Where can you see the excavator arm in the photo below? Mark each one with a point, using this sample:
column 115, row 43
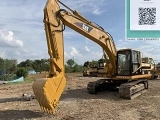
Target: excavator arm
column 48, row 90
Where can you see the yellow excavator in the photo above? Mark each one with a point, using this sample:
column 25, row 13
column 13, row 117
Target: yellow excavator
column 96, row 71
column 126, row 71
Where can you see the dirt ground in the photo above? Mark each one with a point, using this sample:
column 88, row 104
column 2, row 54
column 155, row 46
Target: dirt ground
column 76, row 104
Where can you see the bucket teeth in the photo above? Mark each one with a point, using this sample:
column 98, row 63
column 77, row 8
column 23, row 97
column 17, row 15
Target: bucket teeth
column 48, row 92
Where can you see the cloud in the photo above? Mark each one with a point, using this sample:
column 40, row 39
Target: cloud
column 148, row 48
column 97, row 11
column 74, row 52
column 86, row 48
column 85, row 6
column 84, row 53
column 11, row 47
column 23, row 20
column 8, row 39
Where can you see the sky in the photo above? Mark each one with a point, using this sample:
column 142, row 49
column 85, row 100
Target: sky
column 22, row 34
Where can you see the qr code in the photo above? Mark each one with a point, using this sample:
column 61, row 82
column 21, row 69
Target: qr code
column 147, row 16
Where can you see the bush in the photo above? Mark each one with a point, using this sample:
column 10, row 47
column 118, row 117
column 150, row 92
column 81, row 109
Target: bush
column 7, row 77
column 22, row 72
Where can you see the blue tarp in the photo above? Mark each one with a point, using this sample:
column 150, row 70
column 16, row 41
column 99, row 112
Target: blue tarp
column 21, row 79
column 31, row 72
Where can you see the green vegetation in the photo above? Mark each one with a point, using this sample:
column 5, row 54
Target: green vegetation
column 37, row 65
column 9, row 69
column 22, row 72
column 73, row 67
column 93, row 63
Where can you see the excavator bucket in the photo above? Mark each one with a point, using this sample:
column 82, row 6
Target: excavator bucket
column 48, row 92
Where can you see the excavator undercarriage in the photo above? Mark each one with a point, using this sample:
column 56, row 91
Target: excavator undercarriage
column 127, row 90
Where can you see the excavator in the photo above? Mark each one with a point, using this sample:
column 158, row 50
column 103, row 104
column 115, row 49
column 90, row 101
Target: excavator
column 126, row 71
column 101, row 70
column 96, row 71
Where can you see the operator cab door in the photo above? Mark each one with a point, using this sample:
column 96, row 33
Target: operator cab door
column 128, row 62
column 124, row 62
column 136, row 62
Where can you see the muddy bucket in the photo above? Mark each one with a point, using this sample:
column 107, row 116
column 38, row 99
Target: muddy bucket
column 48, row 92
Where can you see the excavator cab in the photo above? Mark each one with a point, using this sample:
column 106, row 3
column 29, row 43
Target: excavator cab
column 128, row 62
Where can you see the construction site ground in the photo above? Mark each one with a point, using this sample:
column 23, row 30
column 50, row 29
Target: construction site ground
column 77, row 104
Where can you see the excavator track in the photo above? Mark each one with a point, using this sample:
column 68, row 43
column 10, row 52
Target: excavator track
column 127, row 90
column 131, row 90
column 101, row 85
column 93, row 87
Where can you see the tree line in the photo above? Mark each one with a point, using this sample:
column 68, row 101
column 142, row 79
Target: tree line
column 9, row 67
column 44, row 65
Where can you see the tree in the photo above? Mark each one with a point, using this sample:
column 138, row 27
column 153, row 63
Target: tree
column 77, row 68
column 93, row 63
column 68, row 69
column 22, row 72
column 101, row 60
column 86, row 64
column 1, row 66
column 26, row 64
column 37, row 65
column 70, row 62
column 8, row 66
column 46, row 65
column 73, row 66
